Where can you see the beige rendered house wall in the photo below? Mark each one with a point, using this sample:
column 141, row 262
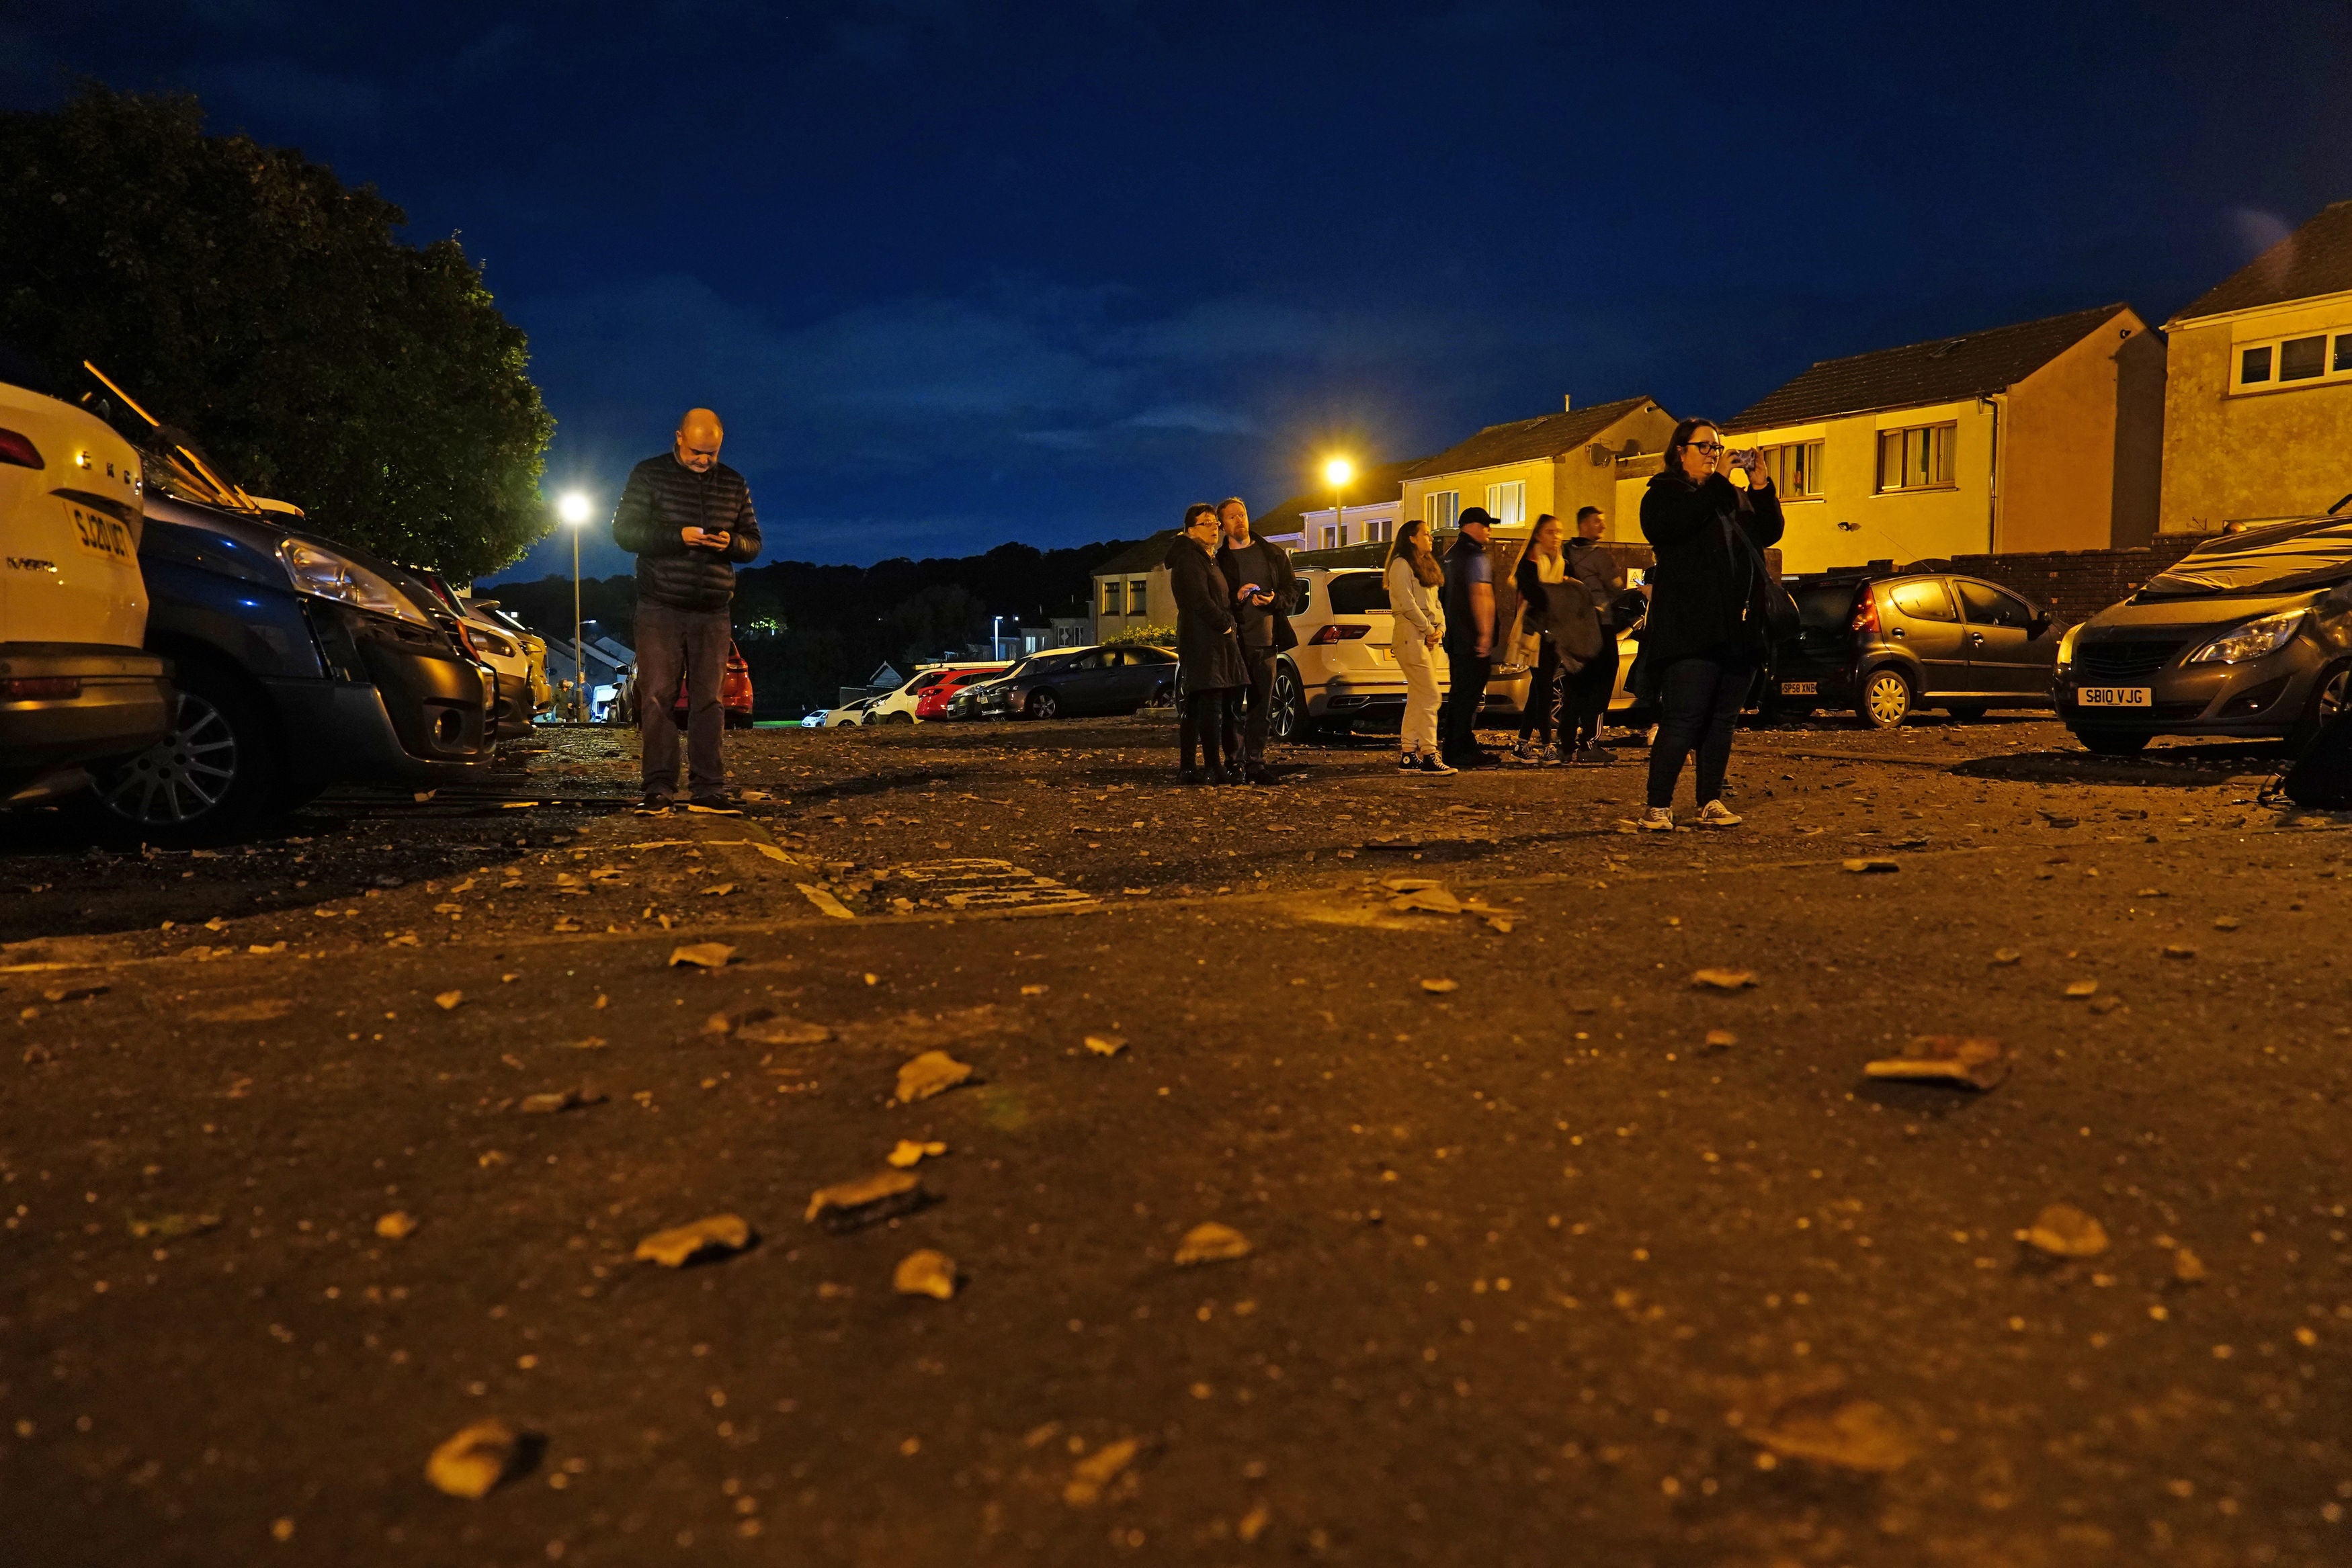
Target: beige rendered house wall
column 1558, row 484
column 2083, row 437
column 1906, row 525
column 2284, row 453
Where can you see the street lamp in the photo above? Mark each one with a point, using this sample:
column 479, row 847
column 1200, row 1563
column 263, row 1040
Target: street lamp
column 573, row 508
column 1336, row 474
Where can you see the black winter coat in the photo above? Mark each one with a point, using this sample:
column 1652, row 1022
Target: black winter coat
column 1206, row 649
column 663, row 497
column 1708, row 589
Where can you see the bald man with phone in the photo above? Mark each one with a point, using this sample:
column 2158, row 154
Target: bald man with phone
column 687, row 518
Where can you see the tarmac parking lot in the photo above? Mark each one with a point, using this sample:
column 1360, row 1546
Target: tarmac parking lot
column 1572, row 1226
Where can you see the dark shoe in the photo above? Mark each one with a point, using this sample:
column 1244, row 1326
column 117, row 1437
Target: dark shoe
column 1188, row 775
column 1430, row 764
column 655, row 800
column 1235, row 776
column 1409, row 762
column 714, row 803
column 1262, row 774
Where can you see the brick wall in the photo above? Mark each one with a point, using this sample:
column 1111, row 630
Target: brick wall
column 2076, row 585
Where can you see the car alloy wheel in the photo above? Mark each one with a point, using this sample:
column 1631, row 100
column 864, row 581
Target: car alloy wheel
column 1045, row 704
column 181, row 778
column 2330, row 695
column 1885, row 698
column 1287, row 716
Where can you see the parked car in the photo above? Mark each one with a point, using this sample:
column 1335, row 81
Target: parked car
column 299, row 661
column 934, row 703
column 734, row 693
column 1888, row 644
column 905, row 704
column 847, row 715
column 2248, row 634
column 78, row 687
column 534, row 647
column 1063, row 683
column 494, row 647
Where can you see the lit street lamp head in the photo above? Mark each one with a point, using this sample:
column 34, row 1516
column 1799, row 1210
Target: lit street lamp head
column 1338, row 472
column 572, row 508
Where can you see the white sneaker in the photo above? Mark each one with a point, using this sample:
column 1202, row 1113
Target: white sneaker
column 1716, row 814
column 1657, row 820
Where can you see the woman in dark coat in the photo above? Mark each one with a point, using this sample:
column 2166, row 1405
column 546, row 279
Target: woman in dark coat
column 1709, row 612
column 1208, row 653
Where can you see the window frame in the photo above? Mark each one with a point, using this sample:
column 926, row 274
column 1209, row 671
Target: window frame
column 1960, row 587
column 1441, row 508
column 2335, row 362
column 1951, row 600
column 1786, row 484
column 1499, row 499
column 1114, row 597
column 1903, row 433
column 1138, row 595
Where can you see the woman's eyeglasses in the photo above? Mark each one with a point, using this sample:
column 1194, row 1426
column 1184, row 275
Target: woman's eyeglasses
column 1709, row 447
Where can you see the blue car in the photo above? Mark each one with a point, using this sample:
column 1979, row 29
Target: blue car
column 298, row 663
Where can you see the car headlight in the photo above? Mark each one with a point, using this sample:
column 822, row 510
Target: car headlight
column 2066, row 646
column 325, row 574
column 2252, row 641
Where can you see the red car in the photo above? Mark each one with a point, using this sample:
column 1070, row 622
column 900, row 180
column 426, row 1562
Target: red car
column 934, row 703
column 734, row 693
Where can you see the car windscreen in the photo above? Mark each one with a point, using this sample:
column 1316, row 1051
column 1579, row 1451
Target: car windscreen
column 1825, row 606
column 2285, row 561
column 1359, row 593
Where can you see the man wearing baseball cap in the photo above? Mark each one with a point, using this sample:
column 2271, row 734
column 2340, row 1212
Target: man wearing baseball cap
column 1469, row 636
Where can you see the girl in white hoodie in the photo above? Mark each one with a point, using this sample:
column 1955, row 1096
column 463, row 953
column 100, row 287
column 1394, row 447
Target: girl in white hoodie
column 1413, row 576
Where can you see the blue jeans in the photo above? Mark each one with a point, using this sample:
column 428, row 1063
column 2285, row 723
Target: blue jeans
column 1699, row 707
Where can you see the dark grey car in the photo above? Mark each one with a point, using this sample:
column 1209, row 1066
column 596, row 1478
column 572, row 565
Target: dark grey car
column 2248, row 634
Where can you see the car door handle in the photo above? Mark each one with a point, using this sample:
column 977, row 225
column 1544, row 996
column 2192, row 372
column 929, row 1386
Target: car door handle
column 1896, row 634
column 1978, row 638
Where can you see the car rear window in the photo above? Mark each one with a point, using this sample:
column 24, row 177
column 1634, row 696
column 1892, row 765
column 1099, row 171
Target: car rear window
column 1826, row 606
column 1359, row 593
column 1922, row 599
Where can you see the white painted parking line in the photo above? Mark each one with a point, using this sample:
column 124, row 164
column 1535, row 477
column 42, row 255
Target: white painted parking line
column 825, row 901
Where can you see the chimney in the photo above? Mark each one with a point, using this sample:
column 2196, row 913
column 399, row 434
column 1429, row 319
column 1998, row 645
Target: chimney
column 1567, row 403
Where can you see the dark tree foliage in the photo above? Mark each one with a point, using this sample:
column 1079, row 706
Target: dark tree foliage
column 836, row 624
column 247, row 296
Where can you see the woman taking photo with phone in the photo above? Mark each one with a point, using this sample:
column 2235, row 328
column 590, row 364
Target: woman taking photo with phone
column 1710, row 611
column 1413, row 576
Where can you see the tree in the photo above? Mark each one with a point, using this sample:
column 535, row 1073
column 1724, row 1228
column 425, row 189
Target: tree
column 246, row 294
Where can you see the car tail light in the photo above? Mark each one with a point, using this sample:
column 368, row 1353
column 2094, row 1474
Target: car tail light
column 1866, row 611
column 16, row 449
column 1338, row 633
column 40, row 688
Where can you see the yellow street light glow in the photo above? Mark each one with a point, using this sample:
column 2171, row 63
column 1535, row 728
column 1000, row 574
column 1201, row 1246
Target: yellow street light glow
column 1338, row 472
column 572, row 508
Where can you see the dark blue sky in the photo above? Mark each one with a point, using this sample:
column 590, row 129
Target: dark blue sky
column 958, row 272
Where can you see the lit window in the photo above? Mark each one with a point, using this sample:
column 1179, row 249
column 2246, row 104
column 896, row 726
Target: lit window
column 1110, row 605
column 1918, row 459
column 1507, row 504
column 1138, row 595
column 1438, row 508
column 1796, row 470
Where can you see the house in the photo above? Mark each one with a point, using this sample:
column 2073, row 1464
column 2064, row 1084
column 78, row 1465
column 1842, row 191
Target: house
column 1320, row 519
column 1131, row 589
column 2044, row 436
column 2258, row 401
column 1557, row 463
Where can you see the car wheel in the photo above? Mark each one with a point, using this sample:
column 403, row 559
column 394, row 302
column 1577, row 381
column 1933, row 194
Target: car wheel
column 1042, row 705
column 738, row 719
column 1886, row 697
column 2330, row 695
column 898, row 717
column 1966, row 713
column 217, row 769
column 2112, row 742
column 1286, row 718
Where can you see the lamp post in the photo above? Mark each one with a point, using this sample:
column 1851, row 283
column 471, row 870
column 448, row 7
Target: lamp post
column 1336, row 473
column 572, row 508
column 995, row 638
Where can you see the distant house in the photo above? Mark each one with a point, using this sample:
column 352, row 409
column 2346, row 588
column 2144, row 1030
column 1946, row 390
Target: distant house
column 2044, row 435
column 2258, row 403
column 1556, row 463
column 1131, row 589
column 1367, row 512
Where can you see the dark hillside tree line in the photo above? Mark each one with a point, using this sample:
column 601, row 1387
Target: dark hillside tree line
column 809, row 630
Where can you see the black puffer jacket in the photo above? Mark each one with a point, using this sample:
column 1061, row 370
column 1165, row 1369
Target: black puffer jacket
column 664, row 496
column 1707, row 591
column 1207, row 648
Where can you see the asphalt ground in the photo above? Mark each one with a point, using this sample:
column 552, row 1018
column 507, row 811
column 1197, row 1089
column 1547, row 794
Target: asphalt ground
column 1538, row 1271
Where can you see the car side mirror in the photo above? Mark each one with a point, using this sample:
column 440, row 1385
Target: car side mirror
column 2337, row 601
column 2038, row 625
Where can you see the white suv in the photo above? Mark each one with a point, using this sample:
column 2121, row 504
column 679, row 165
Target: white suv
column 76, row 688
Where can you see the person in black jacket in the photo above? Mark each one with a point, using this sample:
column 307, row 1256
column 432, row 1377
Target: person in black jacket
column 1708, row 611
column 1208, row 652
column 687, row 518
column 1469, row 636
column 1264, row 589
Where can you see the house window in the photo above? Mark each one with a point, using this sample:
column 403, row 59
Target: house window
column 1330, row 537
column 1507, row 504
column 2254, row 365
column 1138, row 595
column 2342, row 352
column 2302, row 361
column 1379, row 530
column 1796, row 470
column 1440, row 508
column 1110, row 600
column 1915, row 459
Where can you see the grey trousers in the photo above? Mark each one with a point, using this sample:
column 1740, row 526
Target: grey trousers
column 674, row 644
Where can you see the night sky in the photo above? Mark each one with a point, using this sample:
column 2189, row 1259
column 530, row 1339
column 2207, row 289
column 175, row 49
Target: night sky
column 957, row 272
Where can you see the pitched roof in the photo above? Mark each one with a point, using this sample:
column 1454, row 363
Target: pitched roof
column 1140, row 556
column 1944, row 370
column 1377, row 483
column 1523, row 440
column 2315, row 259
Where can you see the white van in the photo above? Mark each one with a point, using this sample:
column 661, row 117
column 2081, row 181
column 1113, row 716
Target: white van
column 77, row 687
